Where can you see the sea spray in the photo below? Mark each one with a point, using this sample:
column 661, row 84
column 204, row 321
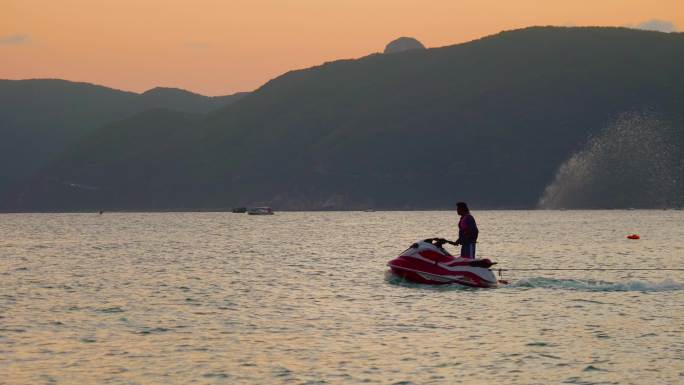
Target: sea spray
column 632, row 162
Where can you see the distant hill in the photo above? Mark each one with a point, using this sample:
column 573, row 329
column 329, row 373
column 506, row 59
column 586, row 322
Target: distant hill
column 40, row 117
column 489, row 122
column 186, row 101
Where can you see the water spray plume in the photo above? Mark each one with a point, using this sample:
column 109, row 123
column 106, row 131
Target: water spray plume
column 632, row 162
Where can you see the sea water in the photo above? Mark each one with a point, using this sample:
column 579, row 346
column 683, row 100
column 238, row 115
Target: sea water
column 305, row 298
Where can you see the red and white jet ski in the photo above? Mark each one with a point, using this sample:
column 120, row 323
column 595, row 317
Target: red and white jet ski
column 428, row 262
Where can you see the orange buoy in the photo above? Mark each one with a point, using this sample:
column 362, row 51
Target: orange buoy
column 633, row 236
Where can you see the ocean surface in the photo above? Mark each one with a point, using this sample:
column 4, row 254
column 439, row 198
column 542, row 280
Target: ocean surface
column 305, row 298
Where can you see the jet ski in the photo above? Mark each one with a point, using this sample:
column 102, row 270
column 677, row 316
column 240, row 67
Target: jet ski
column 428, row 262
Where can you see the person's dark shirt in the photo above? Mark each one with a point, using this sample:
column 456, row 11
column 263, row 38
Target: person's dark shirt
column 467, row 229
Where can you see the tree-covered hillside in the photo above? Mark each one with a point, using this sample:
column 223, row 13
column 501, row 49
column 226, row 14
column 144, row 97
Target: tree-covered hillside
column 489, row 122
column 40, row 117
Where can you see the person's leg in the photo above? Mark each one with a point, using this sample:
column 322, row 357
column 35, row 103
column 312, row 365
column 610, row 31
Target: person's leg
column 468, row 250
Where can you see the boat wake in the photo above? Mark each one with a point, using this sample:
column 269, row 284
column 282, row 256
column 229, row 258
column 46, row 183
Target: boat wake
column 556, row 283
column 596, row 285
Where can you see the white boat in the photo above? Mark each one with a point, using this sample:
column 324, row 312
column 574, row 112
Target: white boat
column 260, row 211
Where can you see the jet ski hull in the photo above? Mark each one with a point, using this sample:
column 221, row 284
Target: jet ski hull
column 428, row 264
column 472, row 280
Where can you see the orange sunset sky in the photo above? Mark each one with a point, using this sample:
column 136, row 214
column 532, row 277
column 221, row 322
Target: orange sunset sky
column 217, row 47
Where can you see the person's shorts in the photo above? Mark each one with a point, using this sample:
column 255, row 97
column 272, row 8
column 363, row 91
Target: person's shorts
column 468, row 250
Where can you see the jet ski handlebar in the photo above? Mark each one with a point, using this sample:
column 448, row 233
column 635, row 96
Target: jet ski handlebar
column 439, row 241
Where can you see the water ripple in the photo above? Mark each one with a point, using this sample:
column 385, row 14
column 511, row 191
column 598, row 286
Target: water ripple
column 179, row 298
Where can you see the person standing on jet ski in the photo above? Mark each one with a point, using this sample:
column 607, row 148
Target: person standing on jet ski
column 467, row 231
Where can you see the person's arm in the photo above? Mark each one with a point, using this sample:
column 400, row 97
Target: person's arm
column 476, row 231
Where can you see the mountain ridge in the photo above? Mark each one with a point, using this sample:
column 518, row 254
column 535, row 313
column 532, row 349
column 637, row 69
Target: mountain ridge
column 488, row 121
column 39, row 118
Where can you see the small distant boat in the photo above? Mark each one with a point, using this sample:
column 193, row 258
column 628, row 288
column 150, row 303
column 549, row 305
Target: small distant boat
column 260, row 211
column 240, row 210
column 368, row 211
